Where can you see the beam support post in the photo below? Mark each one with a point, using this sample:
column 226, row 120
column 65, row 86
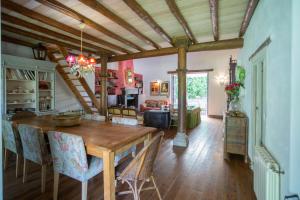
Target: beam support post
column 103, row 75
column 181, row 138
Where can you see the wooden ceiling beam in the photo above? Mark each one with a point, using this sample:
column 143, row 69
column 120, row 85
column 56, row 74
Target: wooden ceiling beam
column 42, row 38
column 51, row 22
column 144, row 15
column 6, row 38
column 75, row 15
column 213, row 4
column 207, row 46
column 19, row 22
column 248, row 15
column 178, row 15
column 115, row 18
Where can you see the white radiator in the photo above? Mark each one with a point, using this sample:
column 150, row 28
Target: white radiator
column 266, row 175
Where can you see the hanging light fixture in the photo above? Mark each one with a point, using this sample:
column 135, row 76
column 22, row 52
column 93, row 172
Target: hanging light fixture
column 81, row 65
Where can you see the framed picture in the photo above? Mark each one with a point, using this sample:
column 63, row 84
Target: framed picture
column 164, row 88
column 154, row 88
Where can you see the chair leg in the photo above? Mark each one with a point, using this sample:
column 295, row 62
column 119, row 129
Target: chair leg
column 17, row 165
column 43, row 175
column 6, row 153
column 55, row 185
column 156, row 188
column 84, row 190
column 25, row 171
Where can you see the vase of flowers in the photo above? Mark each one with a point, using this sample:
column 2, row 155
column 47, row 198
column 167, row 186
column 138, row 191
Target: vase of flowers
column 233, row 91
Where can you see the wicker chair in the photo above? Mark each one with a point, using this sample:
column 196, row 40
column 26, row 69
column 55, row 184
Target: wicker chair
column 140, row 170
column 23, row 114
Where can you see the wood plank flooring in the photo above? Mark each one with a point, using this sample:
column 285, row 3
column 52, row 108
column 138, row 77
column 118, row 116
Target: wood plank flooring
column 196, row 173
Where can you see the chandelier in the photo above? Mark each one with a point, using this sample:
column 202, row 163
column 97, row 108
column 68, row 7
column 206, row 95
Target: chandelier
column 81, row 65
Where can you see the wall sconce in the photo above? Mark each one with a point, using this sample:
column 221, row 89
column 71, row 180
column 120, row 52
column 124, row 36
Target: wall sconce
column 221, row 79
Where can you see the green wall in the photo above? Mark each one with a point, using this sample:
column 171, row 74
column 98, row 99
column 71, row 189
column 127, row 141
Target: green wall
column 272, row 18
column 295, row 100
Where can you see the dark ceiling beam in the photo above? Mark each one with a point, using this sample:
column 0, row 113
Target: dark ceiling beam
column 177, row 14
column 144, row 15
column 248, row 15
column 6, row 38
column 213, row 5
column 51, row 22
column 115, row 18
column 19, row 22
column 207, row 46
column 75, row 15
column 42, row 38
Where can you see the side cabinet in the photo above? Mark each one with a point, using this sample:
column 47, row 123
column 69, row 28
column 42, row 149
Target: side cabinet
column 236, row 136
column 28, row 85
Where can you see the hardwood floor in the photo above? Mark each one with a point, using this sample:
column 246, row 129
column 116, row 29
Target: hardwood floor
column 196, row 173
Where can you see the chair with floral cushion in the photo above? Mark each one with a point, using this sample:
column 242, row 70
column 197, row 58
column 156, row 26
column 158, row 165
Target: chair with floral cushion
column 70, row 158
column 12, row 143
column 35, row 150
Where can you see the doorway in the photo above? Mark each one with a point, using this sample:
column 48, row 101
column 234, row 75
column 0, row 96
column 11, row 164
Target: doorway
column 259, row 97
column 197, row 90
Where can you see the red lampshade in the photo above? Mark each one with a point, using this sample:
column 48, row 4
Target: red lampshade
column 81, row 59
column 92, row 61
column 70, row 59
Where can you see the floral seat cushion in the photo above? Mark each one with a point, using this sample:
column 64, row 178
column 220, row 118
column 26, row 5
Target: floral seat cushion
column 11, row 138
column 70, row 158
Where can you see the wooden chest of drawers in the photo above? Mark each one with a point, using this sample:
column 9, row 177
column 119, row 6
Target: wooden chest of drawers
column 235, row 136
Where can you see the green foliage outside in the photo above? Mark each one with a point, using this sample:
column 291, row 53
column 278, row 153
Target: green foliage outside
column 196, row 86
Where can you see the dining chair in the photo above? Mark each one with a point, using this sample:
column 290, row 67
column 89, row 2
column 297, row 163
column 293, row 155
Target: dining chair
column 129, row 112
column 23, row 114
column 11, row 143
column 114, row 112
column 70, row 158
column 35, row 150
column 140, row 169
column 124, row 121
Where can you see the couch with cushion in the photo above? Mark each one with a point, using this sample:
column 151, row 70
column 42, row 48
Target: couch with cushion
column 153, row 105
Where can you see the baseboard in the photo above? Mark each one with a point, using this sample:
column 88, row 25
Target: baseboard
column 216, row 116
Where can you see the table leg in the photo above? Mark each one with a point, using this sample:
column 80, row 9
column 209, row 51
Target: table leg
column 109, row 175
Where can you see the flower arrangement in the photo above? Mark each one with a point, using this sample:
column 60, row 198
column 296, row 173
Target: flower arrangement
column 233, row 90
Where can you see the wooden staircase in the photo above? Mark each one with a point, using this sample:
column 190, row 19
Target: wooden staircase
column 77, row 85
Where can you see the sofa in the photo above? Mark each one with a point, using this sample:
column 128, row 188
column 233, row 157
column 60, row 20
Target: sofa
column 153, row 105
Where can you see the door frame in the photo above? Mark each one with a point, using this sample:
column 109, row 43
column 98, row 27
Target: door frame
column 256, row 61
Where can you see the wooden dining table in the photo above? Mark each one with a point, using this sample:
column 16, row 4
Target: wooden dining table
column 102, row 139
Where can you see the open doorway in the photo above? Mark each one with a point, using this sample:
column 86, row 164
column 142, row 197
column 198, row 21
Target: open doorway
column 197, row 90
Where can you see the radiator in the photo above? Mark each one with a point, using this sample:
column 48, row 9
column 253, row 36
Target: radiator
column 266, row 175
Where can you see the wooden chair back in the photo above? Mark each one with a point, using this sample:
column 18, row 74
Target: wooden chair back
column 23, row 114
column 141, row 167
column 129, row 112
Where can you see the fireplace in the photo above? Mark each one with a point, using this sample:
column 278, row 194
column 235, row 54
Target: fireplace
column 129, row 98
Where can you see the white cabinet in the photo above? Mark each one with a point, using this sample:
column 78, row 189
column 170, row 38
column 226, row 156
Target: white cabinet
column 28, row 85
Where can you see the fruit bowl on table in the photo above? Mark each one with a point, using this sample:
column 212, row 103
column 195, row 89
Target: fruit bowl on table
column 67, row 120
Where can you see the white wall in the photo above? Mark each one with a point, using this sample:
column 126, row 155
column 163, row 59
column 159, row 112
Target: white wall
column 156, row 69
column 277, row 25
column 295, row 100
column 65, row 100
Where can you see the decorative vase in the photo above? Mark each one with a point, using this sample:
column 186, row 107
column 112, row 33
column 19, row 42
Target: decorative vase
column 235, row 105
